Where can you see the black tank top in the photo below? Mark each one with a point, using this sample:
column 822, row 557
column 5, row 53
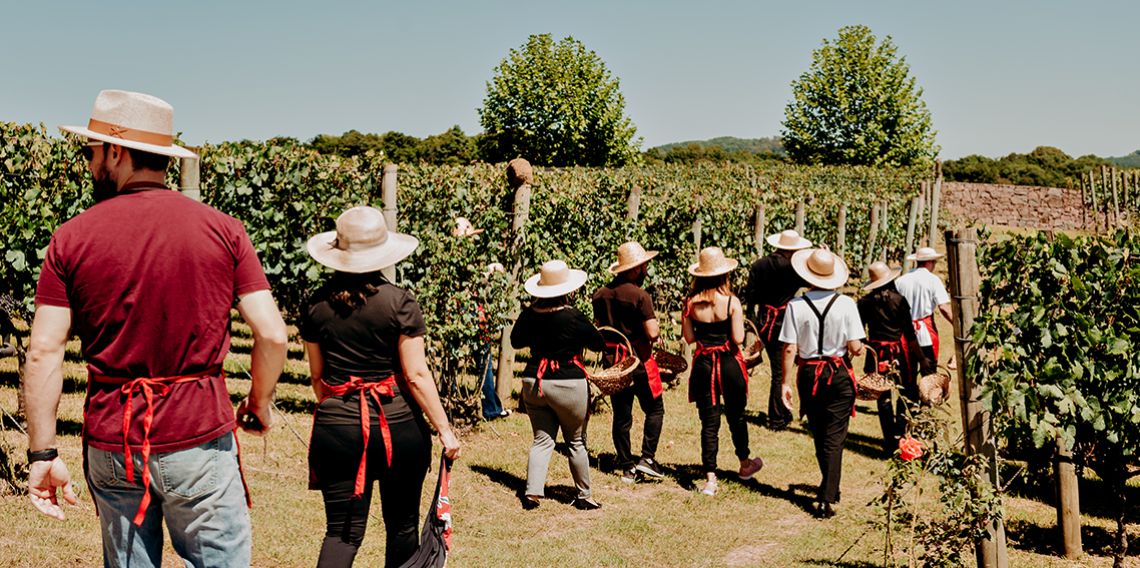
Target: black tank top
column 714, row 333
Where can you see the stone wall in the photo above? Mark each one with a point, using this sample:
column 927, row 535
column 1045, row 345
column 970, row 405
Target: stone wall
column 1013, row 205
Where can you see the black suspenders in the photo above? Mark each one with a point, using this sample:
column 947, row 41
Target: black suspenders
column 834, row 296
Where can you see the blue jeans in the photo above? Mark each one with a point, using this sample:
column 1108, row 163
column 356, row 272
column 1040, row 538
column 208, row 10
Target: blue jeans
column 492, row 407
column 198, row 491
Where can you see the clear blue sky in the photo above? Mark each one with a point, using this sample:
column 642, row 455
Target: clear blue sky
column 998, row 76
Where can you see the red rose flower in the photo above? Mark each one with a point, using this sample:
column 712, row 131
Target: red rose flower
column 909, row 448
column 884, row 366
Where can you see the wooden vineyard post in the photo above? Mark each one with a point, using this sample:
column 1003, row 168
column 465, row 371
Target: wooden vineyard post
column 800, row 218
column 633, row 205
column 520, row 176
column 883, row 228
column 388, row 195
column 1084, row 207
column 189, row 176
column 1068, row 502
column 870, row 253
column 965, row 280
column 841, row 237
column 1095, row 205
column 915, row 204
column 1115, row 202
column 761, row 212
column 935, row 203
column 920, row 215
column 697, row 229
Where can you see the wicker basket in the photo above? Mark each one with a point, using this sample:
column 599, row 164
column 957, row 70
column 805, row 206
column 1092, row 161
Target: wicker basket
column 872, row 386
column 618, row 377
column 671, row 365
column 934, row 388
column 752, row 353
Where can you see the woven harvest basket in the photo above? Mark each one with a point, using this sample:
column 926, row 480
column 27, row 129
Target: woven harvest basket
column 618, row 377
column 934, row 388
column 752, row 351
column 671, row 365
column 872, row 386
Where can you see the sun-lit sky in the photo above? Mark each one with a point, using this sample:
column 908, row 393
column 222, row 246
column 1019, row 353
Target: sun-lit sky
column 998, row 76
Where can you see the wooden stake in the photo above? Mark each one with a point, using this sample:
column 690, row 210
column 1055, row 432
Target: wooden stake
column 1095, row 205
column 1068, row 502
column 697, row 228
column 189, row 176
column 841, row 239
column 388, row 187
column 935, row 204
column 505, row 377
column 1084, row 207
column 1115, row 203
column 962, row 261
column 915, row 204
column 800, row 218
column 761, row 216
column 633, row 204
column 870, row 252
column 883, row 229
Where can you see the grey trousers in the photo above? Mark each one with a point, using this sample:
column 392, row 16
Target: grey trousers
column 563, row 404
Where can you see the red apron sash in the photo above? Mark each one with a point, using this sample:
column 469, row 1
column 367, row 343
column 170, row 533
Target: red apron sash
column 893, row 351
column 366, row 389
column 771, row 314
column 928, row 323
column 714, row 353
column 553, row 365
column 835, row 363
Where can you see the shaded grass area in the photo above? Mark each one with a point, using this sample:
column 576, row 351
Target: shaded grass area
column 762, row 522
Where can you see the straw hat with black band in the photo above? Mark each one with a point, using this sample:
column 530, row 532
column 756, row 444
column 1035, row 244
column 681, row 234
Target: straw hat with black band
column 712, row 262
column 788, row 240
column 630, row 256
column 924, row 254
column 361, row 243
column 820, row 268
column 135, row 121
column 880, row 274
column 554, row 280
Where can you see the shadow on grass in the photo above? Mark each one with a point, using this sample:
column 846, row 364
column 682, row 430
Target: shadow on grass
column 517, row 485
column 1046, row 540
column 1097, row 498
column 829, row 562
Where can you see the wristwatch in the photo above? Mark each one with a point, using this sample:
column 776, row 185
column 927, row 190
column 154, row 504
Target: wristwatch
column 43, row 455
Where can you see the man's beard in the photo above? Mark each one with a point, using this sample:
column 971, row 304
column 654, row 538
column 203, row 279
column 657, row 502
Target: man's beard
column 103, row 188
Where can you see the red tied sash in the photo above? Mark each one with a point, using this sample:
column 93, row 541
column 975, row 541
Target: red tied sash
column 148, row 386
column 771, row 314
column 835, row 362
column 714, row 353
column 374, row 389
column 651, row 370
column 553, row 365
column 928, row 323
column 892, row 351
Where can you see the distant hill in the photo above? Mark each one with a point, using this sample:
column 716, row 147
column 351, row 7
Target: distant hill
column 1130, row 161
column 733, row 144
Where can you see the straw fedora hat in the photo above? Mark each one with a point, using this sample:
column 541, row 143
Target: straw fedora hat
column 880, row 274
column 464, row 228
column 555, row 279
column 631, row 255
column 820, row 268
column 360, row 243
column 133, row 120
column 712, row 262
column 788, row 240
column 925, row 253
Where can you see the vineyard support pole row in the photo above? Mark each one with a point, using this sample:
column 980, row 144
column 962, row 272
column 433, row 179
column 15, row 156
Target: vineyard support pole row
column 1115, row 202
column 915, row 205
column 871, row 239
column 883, row 228
column 388, row 195
column 935, row 204
column 1068, row 502
column 965, row 280
column 504, row 379
column 189, row 176
column 841, row 238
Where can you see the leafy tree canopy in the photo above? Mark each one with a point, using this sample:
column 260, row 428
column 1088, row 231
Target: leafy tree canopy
column 857, row 105
column 451, row 147
column 774, row 144
column 555, row 104
column 1045, row 166
column 715, row 154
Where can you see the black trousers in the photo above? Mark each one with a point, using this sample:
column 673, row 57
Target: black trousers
column 829, row 414
column 892, row 419
column 334, row 457
column 654, row 409
column 779, row 417
column 734, row 392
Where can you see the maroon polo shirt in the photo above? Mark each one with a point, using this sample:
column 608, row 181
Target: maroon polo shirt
column 150, row 277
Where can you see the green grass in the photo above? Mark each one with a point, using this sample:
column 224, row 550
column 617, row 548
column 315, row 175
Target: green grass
column 763, row 522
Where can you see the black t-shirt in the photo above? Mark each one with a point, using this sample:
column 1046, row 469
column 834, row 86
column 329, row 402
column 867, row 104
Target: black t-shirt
column 624, row 306
column 364, row 343
column 558, row 335
column 887, row 314
column 772, row 281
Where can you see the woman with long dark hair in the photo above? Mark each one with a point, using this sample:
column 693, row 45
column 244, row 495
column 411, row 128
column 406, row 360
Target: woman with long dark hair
column 364, row 338
column 714, row 320
column 555, row 388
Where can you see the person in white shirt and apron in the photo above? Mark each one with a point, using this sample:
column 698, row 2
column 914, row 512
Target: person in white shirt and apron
column 821, row 331
column 926, row 294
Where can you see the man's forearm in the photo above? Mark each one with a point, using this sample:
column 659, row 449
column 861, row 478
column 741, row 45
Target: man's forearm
column 789, row 362
column 43, row 384
column 267, row 360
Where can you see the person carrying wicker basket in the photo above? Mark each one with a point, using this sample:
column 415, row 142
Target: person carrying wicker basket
column 772, row 283
column 555, row 388
column 821, row 331
column 926, row 294
column 625, row 306
column 714, row 320
column 891, row 336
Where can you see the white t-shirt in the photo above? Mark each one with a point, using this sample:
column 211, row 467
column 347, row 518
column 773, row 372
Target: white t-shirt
column 925, row 292
column 841, row 324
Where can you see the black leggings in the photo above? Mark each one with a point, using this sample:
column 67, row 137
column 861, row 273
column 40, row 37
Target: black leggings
column 734, row 393
column 334, row 458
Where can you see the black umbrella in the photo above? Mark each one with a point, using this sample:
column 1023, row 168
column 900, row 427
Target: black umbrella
column 435, row 540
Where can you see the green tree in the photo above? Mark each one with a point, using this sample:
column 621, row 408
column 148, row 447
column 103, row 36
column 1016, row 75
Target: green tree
column 555, row 104
column 858, row 105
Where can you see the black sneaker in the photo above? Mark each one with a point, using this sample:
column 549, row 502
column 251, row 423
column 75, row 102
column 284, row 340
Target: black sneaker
column 629, row 475
column 649, row 467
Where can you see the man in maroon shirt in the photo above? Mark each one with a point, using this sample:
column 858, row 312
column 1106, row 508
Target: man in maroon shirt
column 146, row 278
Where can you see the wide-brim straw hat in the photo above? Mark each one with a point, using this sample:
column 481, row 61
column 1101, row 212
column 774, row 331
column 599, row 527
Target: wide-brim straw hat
column 133, row 120
column 880, row 274
column 361, row 243
column 924, row 254
column 631, row 255
column 464, row 228
column 788, row 240
column 712, row 262
column 555, row 279
column 820, row 268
